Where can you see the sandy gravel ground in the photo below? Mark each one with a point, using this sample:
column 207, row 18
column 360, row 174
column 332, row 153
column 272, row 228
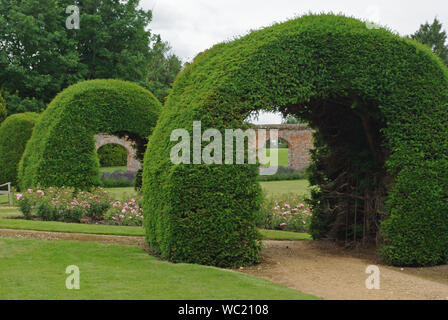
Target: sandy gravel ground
column 327, row 271
column 44, row 235
column 315, row 267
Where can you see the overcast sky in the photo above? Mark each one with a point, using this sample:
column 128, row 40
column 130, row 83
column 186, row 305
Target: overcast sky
column 192, row 26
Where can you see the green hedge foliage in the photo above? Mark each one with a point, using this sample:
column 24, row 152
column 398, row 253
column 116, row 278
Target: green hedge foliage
column 62, row 152
column 3, row 111
column 112, row 155
column 205, row 213
column 15, row 132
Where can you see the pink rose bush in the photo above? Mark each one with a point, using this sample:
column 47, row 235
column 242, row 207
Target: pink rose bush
column 64, row 204
column 286, row 212
column 125, row 213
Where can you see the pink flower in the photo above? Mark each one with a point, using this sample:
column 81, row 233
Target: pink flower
column 124, row 210
column 19, row 196
column 287, row 205
column 300, row 205
column 282, row 224
column 30, row 190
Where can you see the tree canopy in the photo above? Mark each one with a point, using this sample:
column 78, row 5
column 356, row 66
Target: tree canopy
column 433, row 36
column 39, row 56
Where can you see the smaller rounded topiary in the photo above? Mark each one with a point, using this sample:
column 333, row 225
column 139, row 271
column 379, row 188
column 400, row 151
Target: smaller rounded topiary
column 112, row 155
column 3, row 111
column 15, row 132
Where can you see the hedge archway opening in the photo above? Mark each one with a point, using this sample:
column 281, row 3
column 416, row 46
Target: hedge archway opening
column 378, row 104
column 62, row 150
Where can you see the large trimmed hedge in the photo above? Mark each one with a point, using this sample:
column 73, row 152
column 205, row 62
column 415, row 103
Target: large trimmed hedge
column 378, row 103
column 15, row 132
column 3, row 111
column 62, row 152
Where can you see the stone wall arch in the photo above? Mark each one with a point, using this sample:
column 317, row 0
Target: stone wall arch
column 299, row 138
column 133, row 164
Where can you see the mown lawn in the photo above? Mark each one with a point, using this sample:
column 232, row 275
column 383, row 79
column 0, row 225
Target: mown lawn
column 112, row 169
column 282, row 160
column 290, row 186
column 35, row 269
column 52, row 226
column 270, row 187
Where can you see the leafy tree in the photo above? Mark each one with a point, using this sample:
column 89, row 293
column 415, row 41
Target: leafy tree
column 39, row 56
column 433, row 36
column 163, row 68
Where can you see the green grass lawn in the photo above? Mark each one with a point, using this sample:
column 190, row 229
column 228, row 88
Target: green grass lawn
column 112, row 169
column 3, row 200
column 122, row 193
column 35, row 269
column 290, row 186
column 283, row 154
column 53, row 226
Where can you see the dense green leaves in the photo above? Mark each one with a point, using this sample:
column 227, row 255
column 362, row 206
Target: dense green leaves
column 3, row 111
column 15, row 132
column 381, row 98
column 112, row 155
column 62, row 151
column 39, row 56
column 434, row 37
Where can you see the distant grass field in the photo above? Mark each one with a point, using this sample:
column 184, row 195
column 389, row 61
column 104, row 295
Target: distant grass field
column 35, row 269
column 290, row 186
column 283, row 154
column 112, row 169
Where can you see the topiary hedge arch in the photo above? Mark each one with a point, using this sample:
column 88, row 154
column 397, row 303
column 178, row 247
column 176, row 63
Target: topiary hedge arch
column 62, row 152
column 378, row 104
column 15, row 132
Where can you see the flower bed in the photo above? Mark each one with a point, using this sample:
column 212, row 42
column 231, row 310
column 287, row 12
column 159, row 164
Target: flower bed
column 69, row 205
column 286, row 212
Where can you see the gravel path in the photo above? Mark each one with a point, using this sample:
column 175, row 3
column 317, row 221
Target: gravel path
column 45, row 235
column 327, row 271
column 314, row 267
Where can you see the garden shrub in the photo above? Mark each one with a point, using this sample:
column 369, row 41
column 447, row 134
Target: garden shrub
column 118, row 179
column 64, row 204
column 3, row 111
column 287, row 212
column 61, row 151
column 15, row 132
column 126, row 213
column 378, row 105
column 112, row 155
